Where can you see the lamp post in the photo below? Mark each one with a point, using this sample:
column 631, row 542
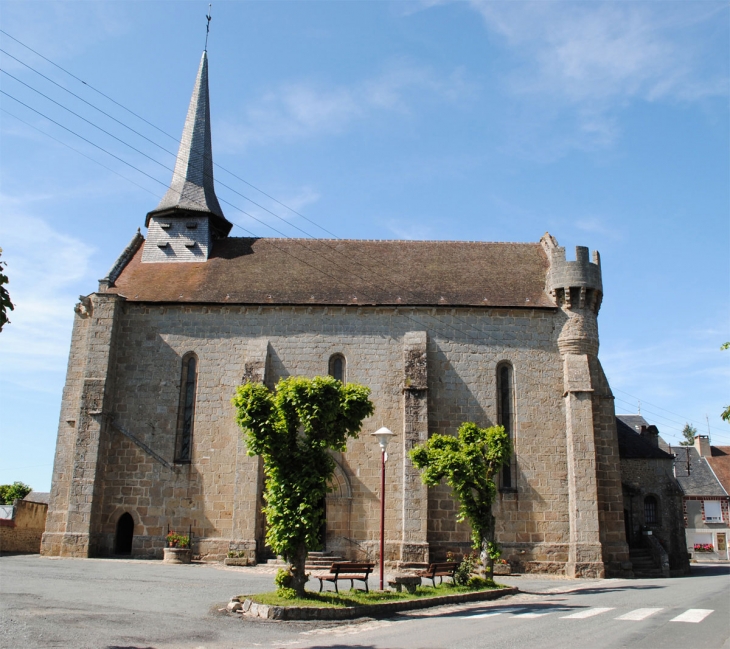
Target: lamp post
column 383, row 436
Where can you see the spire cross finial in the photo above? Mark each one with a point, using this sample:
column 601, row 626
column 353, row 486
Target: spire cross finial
column 207, row 27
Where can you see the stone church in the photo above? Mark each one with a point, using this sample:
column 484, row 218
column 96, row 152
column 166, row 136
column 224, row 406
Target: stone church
column 441, row 331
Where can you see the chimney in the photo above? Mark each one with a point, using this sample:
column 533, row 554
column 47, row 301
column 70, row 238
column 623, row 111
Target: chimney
column 651, row 435
column 702, row 444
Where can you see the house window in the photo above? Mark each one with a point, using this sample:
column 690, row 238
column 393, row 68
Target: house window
column 338, row 367
column 651, row 516
column 186, row 411
column 713, row 511
column 505, row 418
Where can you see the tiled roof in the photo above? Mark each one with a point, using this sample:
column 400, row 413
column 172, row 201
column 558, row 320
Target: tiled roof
column 701, row 481
column 632, row 445
column 191, row 187
column 720, row 463
column 347, row 272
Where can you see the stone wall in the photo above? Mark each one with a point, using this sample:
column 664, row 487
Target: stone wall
column 643, row 477
column 23, row 532
column 218, row 493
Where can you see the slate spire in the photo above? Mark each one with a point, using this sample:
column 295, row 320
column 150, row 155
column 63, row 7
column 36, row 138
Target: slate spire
column 192, row 188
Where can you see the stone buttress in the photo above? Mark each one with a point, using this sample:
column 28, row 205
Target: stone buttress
column 597, row 544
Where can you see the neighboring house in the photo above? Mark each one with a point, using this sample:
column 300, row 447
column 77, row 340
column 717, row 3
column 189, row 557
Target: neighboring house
column 22, row 524
column 653, row 505
column 706, row 500
column 441, row 331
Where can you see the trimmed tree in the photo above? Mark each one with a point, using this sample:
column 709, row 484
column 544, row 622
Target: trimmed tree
column 469, row 463
column 293, row 430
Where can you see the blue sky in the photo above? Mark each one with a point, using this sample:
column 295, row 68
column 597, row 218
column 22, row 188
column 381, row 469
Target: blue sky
column 605, row 124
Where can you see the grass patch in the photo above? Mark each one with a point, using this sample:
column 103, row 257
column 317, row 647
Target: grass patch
column 360, row 597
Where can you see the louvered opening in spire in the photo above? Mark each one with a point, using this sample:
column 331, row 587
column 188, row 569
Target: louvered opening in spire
column 192, row 189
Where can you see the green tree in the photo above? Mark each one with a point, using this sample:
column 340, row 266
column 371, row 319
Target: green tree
column 293, row 430
column 469, row 463
column 12, row 492
column 689, row 433
column 725, row 413
column 5, row 303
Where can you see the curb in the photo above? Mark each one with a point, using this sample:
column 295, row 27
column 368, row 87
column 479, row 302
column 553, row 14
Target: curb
column 252, row 609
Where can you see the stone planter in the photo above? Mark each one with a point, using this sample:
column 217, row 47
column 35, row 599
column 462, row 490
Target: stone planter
column 177, row 556
column 502, row 569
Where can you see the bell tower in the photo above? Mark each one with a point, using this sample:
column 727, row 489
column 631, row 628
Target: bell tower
column 187, row 220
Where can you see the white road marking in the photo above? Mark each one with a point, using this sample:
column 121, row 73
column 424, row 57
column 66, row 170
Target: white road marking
column 590, row 612
column 532, row 614
column 493, row 613
column 693, row 615
column 639, row 614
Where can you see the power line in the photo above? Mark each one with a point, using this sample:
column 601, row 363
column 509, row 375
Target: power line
column 222, row 184
column 421, row 324
column 138, row 116
column 348, row 259
column 81, row 153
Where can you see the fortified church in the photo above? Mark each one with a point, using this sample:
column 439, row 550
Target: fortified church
column 442, row 332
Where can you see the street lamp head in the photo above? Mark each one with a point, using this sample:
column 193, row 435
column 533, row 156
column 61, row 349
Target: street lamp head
column 383, row 435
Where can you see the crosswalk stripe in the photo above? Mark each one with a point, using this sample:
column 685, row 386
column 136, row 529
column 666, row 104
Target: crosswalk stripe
column 587, row 613
column 532, row 614
column 638, row 614
column 493, row 613
column 693, row 615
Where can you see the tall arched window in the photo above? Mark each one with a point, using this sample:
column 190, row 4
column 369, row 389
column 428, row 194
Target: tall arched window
column 506, row 418
column 338, row 367
column 186, row 411
column 651, row 511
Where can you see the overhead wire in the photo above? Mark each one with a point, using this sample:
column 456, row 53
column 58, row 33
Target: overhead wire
column 397, row 307
column 348, row 258
column 220, row 183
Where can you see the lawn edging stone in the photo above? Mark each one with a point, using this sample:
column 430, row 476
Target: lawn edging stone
column 270, row 612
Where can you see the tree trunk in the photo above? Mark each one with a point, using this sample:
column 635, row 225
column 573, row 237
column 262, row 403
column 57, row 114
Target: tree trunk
column 487, row 538
column 297, row 560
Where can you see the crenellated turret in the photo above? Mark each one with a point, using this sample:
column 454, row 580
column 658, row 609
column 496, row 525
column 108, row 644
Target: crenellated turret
column 577, row 288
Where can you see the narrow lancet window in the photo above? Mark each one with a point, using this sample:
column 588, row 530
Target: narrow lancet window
column 506, row 418
column 186, row 415
column 650, row 511
column 338, row 367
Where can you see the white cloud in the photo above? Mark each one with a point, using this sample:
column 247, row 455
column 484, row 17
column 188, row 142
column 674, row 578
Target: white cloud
column 298, row 110
column 586, row 61
column 44, row 266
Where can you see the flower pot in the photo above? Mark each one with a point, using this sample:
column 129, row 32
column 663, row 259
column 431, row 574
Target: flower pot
column 502, row 569
column 177, row 555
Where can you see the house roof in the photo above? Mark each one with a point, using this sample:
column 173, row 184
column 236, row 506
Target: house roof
column 38, row 497
column 631, row 445
column 347, row 272
column 635, row 422
column 701, row 481
column 720, row 463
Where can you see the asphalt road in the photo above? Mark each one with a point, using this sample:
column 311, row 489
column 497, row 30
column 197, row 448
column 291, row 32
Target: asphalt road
column 117, row 604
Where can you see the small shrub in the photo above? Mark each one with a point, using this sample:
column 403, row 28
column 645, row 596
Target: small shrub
column 479, row 582
column 283, row 581
column 287, row 593
column 466, row 568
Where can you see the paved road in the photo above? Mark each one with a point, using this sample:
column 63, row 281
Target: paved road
column 112, row 604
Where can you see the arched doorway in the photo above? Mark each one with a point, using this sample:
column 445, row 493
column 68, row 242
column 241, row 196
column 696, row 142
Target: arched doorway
column 125, row 534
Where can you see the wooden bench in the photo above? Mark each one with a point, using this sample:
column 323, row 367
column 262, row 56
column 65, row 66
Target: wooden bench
column 346, row 570
column 440, row 570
